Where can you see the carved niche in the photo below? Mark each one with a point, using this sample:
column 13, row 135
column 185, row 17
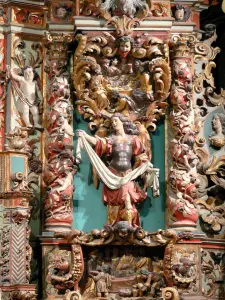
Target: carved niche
column 125, row 79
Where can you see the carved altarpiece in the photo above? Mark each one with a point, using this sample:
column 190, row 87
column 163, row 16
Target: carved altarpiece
column 123, row 66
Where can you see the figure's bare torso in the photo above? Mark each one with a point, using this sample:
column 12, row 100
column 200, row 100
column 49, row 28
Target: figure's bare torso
column 28, row 89
column 121, row 155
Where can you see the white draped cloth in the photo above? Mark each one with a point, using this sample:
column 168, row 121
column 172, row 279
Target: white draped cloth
column 113, row 181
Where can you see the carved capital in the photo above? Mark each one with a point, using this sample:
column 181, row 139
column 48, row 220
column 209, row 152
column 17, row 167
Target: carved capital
column 182, row 45
column 57, row 45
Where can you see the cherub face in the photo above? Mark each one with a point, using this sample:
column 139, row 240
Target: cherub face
column 125, row 47
column 61, row 12
column 179, row 14
column 29, row 74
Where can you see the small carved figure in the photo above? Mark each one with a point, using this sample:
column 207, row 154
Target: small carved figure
column 124, row 45
column 103, row 280
column 110, row 70
column 60, row 274
column 158, row 82
column 29, row 95
column 61, row 126
column 97, row 87
column 149, row 283
column 217, row 138
column 181, row 13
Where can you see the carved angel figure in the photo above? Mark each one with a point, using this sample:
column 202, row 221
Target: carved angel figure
column 29, row 95
column 123, row 7
column 121, row 149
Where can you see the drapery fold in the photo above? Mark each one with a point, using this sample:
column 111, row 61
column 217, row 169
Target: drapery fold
column 112, row 181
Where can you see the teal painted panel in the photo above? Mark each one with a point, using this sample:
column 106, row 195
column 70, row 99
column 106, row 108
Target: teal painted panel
column 90, row 212
column 153, row 211
column 17, row 164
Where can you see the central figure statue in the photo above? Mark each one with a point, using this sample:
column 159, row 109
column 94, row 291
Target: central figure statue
column 125, row 156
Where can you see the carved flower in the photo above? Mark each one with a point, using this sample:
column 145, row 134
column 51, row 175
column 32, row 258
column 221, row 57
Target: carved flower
column 212, row 215
column 214, row 219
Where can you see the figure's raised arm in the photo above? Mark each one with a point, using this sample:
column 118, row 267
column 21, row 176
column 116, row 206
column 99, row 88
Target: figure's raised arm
column 91, row 139
column 13, row 75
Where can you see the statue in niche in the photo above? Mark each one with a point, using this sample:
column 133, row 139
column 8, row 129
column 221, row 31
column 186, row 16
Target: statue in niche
column 217, row 138
column 181, row 13
column 28, row 90
column 123, row 151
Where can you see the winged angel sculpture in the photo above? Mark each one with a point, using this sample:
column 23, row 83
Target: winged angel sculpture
column 121, row 91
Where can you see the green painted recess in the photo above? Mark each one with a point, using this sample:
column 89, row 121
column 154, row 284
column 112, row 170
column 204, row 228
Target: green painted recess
column 17, row 164
column 90, row 212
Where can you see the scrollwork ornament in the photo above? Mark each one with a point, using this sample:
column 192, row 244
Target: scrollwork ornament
column 170, row 293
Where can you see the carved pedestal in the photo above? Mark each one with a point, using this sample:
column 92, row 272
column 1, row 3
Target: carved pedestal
column 15, row 250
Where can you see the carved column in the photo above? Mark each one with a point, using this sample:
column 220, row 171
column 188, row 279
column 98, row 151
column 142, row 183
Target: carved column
column 182, row 182
column 59, row 168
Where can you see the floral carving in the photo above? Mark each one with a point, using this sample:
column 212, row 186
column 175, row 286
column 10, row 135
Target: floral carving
column 3, row 14
column 20, row 182
column 5, row 258
column 212, row 264
column 26, row 16
column 119, row 234
column 181, row 265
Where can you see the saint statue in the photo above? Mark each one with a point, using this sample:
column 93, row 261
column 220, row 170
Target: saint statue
column 126, row 159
